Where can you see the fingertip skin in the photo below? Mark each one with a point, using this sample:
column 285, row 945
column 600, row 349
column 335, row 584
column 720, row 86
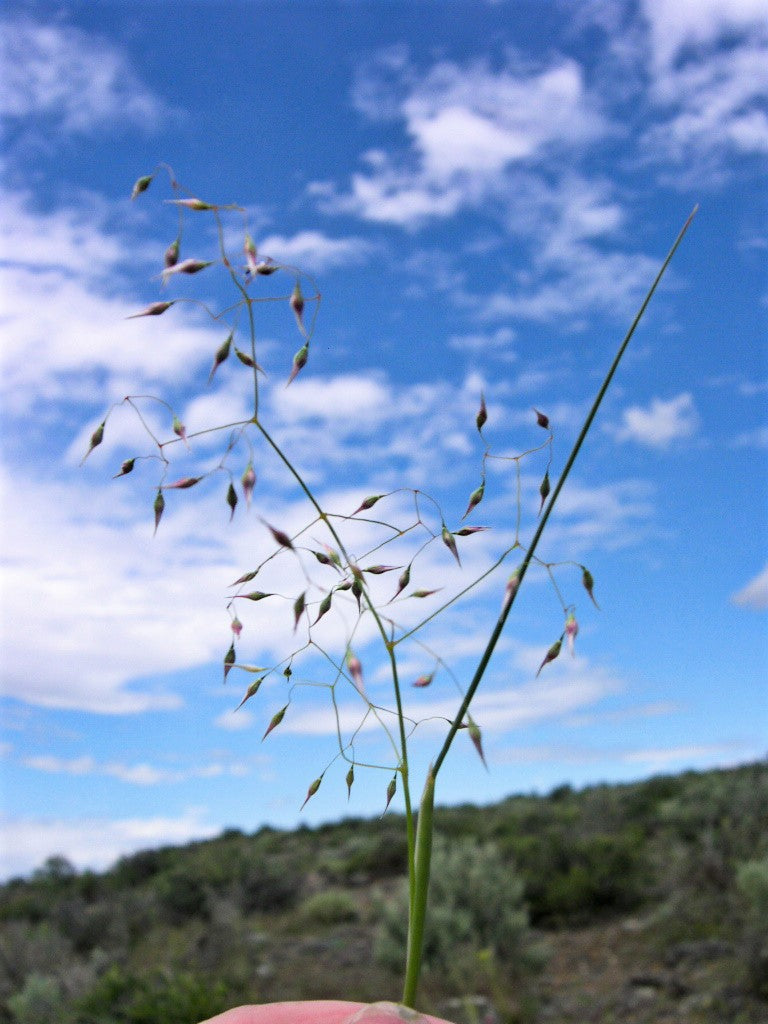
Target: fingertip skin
column 319, row 1012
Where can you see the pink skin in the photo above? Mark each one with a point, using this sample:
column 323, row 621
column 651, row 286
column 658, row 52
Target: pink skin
column 320, row 1012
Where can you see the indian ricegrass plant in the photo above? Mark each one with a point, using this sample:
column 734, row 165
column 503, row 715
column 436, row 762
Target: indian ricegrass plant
column 360, row 592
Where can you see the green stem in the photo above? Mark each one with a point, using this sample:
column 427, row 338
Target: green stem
column 486, row 656
column 420, row 888
column 389, row 646
column 418, row 908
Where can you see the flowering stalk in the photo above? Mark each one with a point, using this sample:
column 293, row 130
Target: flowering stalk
column 352, row 577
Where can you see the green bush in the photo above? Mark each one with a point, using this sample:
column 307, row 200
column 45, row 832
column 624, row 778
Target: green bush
column 752, row 886
column 39, row 1002
column 330, row 906
column 476, row 907
column 175, row 998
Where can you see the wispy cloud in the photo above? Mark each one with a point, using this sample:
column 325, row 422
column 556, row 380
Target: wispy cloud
column 661, row 424
column 134, row 774
column 755, row 594
column 708, row 88
column 92, row 842
column 466, row 125
column 316, row 251
column 82, row 82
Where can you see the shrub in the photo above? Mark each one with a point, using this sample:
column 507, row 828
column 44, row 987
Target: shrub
column 330, row 906
column 476, row 905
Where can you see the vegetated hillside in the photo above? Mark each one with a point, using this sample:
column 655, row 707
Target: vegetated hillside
column 635, row 903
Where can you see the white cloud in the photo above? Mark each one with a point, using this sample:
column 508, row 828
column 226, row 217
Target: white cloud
column 673, row 25
column 757, row 438
column 467, row 125
column 571, row 685
column 755, row 594
column 82, row 81
column 134, row 774
column 661, row 424
column 60, row 304
column 94, row 843
column 713, row 105
column 709, row 85
column 705, row 754
column 316, row 251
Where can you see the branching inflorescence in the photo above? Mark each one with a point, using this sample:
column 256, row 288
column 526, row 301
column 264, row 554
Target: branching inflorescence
column 347, row 592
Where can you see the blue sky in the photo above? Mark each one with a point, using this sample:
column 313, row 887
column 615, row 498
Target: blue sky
column 483, row 192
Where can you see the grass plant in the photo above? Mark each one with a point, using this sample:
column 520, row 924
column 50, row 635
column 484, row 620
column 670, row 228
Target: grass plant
column 336, row 583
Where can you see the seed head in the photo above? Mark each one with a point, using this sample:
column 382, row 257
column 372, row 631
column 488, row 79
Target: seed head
column 325, row 606
column 450, row 543
column 571, row 630
column 551, row 654
column 423, row 681
column 248, row 480
column 355, row 669
column 474, row 499
column 180, row 430
column 229, row 660
column 402, row 583
column 237, row 626
column 222, row 354
column 231, row 500
column 249, row 248
column 251, row 691
column 368, row 503
column 482, row 416
column 476, row 737
column 511, row 589
column 159, row 507
column 298, row 609
column 190, row 204
column 141, row 185
column 297, row 305
column 280, row 538
column 588, row 583
column 126, row 468
column 349, row 780
column 171, row 255
column 541, row 419
column 391, row 789
column 313, row 788
column 184, row 484
column 299, row 362
column 189, row 266
column 275, row 721
column 544, row 490
column 96, row 438
column 153, row 309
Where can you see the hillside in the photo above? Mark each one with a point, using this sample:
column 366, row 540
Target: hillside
column 634, row 903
